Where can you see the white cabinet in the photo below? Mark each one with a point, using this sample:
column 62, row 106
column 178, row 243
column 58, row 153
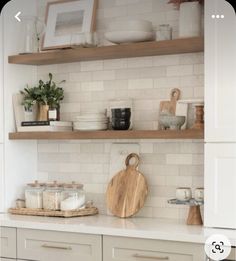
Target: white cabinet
column 220, row 185
column 1, row 79
column 220, row 115
column 2, row 187
column 58, row 246
column 7, row 242
column 132, row 249
column 220, row 76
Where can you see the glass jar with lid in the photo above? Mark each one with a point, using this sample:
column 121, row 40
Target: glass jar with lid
column 34, row 195
column 73, row 197
column 52, row 196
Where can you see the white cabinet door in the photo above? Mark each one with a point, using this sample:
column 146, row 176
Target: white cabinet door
column 7, row 242
column 58, row 246
column 220, row 185
column 133, row 249
column 2, row 187
column 220, row 75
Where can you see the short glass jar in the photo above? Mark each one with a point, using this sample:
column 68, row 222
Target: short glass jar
column 34, row 195
column 164, row 32
column 52, row 196
column 73, row 197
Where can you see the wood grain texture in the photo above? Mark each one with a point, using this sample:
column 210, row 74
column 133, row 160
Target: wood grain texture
column 169, row 107
column 134, row 134
column 127, row 191
column 51, row 213
column 194, row 216
column 177, row 46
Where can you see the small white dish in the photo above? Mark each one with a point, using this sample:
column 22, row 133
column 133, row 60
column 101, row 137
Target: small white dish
column 119, row 37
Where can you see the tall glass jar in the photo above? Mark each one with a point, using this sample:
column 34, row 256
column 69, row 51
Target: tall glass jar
column 73, row 197
column 34, row 195
column 52, row 196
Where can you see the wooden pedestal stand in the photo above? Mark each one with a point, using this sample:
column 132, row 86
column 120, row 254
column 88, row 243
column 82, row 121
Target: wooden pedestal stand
column 194, row 214
column 199, row 118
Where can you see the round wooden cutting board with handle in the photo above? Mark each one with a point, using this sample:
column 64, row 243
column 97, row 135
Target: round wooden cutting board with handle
column 127, row 191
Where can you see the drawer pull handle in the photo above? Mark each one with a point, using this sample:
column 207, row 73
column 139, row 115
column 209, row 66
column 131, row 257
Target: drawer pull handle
column 151, row 257
column 57, row 247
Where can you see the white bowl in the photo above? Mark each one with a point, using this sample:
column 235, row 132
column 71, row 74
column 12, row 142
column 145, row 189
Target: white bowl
column 90, row 126
column 119, row 37
column 130, row 25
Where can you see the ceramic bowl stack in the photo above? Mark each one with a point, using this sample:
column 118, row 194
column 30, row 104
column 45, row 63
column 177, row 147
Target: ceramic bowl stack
column 129, row 31
column 90, row 122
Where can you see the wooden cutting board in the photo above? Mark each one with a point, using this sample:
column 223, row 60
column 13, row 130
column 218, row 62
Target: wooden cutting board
column 169, row 107
column 127, row 191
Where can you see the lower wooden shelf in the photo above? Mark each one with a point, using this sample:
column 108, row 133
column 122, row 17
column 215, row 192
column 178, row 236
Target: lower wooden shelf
column 109, row 134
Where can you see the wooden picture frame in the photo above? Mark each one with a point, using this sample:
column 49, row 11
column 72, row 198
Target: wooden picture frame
column 65, row 18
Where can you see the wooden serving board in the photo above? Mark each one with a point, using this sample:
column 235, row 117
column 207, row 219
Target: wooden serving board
column 127, row 191
column 51, row 213
column 169, row 107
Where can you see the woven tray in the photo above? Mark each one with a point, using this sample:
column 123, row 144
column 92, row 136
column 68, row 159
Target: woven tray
column 89, row 211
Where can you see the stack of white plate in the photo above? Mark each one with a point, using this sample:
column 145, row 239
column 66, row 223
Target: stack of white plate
column 90, row 122
column 131, row 30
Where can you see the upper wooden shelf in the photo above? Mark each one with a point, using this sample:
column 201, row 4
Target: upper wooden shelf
column 135, row 134
column 177, row 46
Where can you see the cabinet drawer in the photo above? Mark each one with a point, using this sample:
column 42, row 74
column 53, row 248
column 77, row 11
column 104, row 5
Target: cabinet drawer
column 6, row 259
column 8, row 242
column 58, row 246
column 131, row 249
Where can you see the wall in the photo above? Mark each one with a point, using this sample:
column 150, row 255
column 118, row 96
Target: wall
column 90, row 85
column 1, row 119
column 20, row 158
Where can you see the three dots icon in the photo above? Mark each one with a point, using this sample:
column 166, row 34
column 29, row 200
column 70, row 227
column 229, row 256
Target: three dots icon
column 217, row 16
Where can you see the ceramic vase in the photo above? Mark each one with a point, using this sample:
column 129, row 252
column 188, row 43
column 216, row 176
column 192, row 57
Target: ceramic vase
column 190, row 19
column 30, row 115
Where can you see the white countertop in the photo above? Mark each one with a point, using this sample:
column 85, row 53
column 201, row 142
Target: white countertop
column 148, row 228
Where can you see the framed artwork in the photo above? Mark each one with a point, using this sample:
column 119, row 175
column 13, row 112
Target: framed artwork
column 66, row 18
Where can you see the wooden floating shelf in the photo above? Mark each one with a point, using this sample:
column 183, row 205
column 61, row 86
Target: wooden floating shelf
column 176, row 46
column 135, row 134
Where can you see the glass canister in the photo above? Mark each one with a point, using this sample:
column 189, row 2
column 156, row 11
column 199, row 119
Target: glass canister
column 34, row 195
column 52, row 196
column 164, row 32
column 73, row 197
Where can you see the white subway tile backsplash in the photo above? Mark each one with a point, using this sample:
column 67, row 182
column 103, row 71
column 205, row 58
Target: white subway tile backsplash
column 92, row 86
column 80, row 77
column 146, row 147
column 166, row 213
column 104, row 76
column 166, row 60
column 140, row 84
column 167, row 82
column 179, row 159
column 140, row 62
column 125, row 2
column 199, row 69
column 48, row 147
column 69, row 148
column 139, row 8
column 146, row 81
column 115, row 64
column 197, row 58
column 179, row 70
column 113, row 12
column 91, row 66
